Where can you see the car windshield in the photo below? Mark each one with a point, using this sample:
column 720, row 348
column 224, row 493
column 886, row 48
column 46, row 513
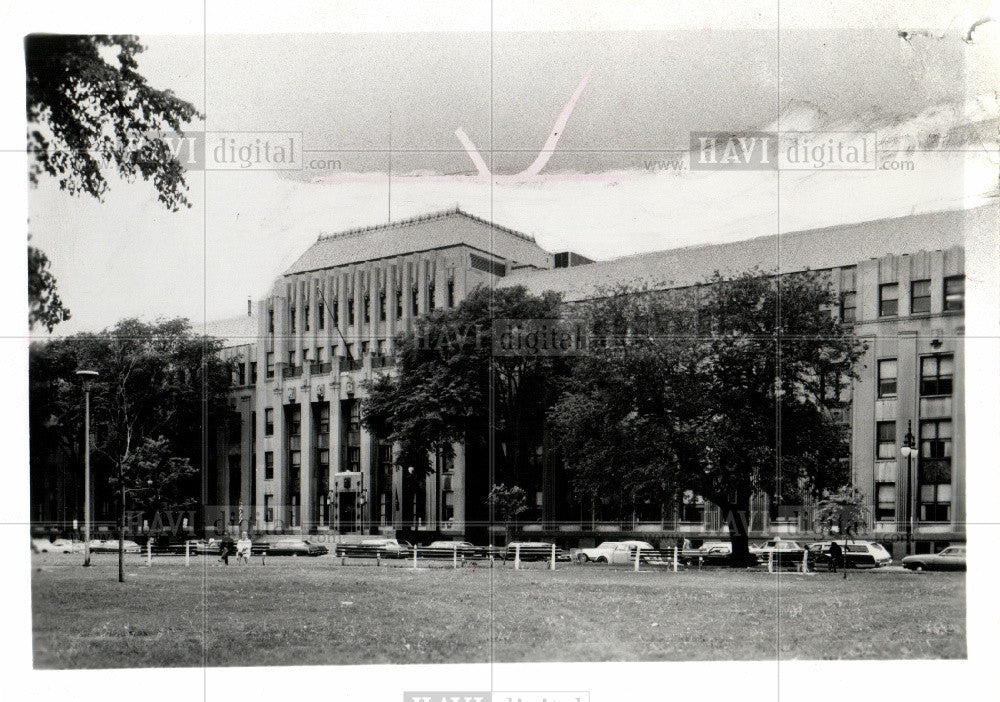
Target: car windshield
column 953, row 551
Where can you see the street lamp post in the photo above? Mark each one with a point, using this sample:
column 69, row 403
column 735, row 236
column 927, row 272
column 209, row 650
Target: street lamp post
column 87, row 377
column 908, row 450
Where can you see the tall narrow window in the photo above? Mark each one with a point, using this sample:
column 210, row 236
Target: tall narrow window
column 399, row 304
column 291, row 318
column 430, row 296
column 886, row 432
column 270, row 320
column 885, row 501
column 270, row 364
column 920, row 296
column 305, row 319
column 887, row 370
column 954, row 293
column 368, row 309
column 253, row 372
column 268, row 508
column 888, row 300
column 936, row 375
column 451, row 293
column 321, row 319
column 415, row 295
column 336, row 313
column 268, row 421
column 849, row 306
column 350, row 312
column 381, row 306
column 269, row 465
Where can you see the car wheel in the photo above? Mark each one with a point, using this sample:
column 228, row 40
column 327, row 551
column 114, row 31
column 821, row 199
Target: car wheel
column 582, row 558
column 602, row 559
column 919, row 567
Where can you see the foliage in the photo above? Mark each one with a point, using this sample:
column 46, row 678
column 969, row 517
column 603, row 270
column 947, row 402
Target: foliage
column 844, row 512
column 507, row 502
column 89, row 110
column 725, row 390
column 44, row 305
column 450, row 386
column 155, row 380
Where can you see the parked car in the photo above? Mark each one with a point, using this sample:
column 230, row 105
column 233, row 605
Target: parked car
column 111, row 546
column 447, row 549
column 40, row 545
column 857, row 554
column 951, row 558
column 709, row 553
column 784, row 552
column 619, row 552
column 384, row 547
column 533, row 551
column 288, row 546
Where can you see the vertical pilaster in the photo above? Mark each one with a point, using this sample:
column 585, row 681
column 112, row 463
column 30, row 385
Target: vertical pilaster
column 306, row 488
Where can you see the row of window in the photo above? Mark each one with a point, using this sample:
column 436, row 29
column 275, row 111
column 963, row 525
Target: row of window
column 934, row 502
column 935, row 439
column 920, row 296
column 366, row 312
column 936, row 376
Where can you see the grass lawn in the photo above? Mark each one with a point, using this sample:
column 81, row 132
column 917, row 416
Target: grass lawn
column 315, row 611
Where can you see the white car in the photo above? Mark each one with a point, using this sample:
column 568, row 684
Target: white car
column 856, row 554
column 66, row 546
column 620, row 552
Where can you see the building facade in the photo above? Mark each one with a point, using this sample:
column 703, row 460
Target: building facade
column 296, row 457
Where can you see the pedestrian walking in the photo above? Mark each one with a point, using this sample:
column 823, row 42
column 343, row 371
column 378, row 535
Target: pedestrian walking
column 836, row 556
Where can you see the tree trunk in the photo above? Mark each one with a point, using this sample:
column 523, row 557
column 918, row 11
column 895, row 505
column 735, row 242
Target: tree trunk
column 737, row 518
column 121, row 538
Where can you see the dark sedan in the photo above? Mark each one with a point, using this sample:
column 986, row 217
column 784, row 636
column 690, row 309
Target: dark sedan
column 952, row 558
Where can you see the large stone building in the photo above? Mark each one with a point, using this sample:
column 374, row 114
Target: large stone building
column 296, row 457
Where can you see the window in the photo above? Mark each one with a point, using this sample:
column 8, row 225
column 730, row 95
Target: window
column 336, row 313
column 295, row 422
column 935, row 502
column 350, row 311
column 886, row 432
column 935, row 439
column 253, row 433
column 368, row 309
column 920, row 296
column 887, row 369
column 291, row 318
column 888, row 300
column 291, row 359
column 451, row 293
column 270, row 320
column 241, row 373
column 268, row 508
column 415, row 298
column 365, row 348
column 319, row 354
column 381, row 306
column 269, row 465
column 253, row 372
column 430, row 296
column 399, row 304
column 270, row 364
column 354, row 458
column 954, row 293
column 321, row 319
column 885, row 502
column 936, row 374
column 849, row 306
column 268, row 421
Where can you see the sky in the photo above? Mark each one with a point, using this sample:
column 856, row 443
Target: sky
column 610, row 187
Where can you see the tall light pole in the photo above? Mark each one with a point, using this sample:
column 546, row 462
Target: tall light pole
column 87, row 378
column 908, row 450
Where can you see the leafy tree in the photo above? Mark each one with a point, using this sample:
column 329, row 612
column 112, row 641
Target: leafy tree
column 724, row 390
column 451, row 386
column 160, row 387
column 44, row 305
column 843, row 513
column 508, row 503
column 89, row 110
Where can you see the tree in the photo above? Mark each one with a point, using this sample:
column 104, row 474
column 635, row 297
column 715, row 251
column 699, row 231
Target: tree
column 724, row 390
column 844, row 513
column 160, row 388
column 44, row 305
column 508, row 503
column 452, row 385
column 90, row 111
